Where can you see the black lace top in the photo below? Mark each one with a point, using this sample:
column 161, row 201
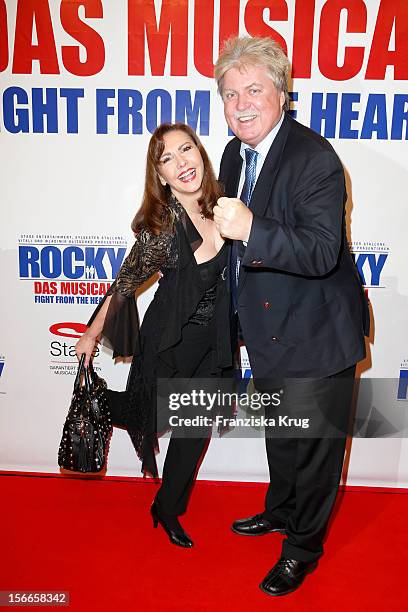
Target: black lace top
column 210, row 271
column 149, row 254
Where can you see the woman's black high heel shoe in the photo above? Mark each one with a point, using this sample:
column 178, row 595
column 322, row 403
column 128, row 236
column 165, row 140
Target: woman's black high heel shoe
column 172, row 527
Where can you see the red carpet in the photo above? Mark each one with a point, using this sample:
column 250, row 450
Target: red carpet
column 95, row 539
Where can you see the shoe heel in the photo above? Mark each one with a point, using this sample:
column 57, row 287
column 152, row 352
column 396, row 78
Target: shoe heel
column 155, row 518
column 176, row 533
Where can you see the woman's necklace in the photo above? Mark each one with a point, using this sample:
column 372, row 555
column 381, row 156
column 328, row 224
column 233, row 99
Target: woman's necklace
column 196, row 212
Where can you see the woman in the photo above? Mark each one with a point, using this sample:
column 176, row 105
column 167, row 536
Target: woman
column 186, row 329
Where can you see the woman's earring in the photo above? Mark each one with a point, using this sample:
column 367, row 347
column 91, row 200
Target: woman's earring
column 163, row 182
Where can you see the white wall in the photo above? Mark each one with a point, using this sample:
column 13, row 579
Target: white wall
column 85, row 187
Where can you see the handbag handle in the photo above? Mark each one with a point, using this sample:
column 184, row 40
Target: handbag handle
column 92, row 374
column 81, row 368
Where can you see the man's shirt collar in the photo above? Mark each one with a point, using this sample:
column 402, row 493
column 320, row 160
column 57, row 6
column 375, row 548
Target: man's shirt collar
column 263, row 147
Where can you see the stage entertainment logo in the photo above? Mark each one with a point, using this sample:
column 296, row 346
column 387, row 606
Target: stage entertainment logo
column 370, row 259
column 403, row 381
column 63, row 359
column 70, row 269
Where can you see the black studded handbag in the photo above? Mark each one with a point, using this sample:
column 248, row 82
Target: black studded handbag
column 88, row 426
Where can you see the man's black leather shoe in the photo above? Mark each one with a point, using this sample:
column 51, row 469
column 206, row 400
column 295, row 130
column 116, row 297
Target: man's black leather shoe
column 257, row 525
column 286, row 576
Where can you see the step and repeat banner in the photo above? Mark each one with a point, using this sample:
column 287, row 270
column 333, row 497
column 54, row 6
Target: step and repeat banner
column 83, row 84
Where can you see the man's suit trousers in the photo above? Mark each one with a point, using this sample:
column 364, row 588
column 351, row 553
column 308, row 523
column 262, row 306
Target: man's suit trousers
column 305, row 472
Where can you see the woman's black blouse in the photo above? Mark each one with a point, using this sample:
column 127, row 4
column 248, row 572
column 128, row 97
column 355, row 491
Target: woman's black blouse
column 187, row 292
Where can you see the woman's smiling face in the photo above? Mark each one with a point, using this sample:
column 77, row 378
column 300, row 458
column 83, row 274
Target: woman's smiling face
column 181, row 165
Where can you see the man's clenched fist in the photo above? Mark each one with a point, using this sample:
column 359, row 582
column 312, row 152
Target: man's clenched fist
column 233, row 219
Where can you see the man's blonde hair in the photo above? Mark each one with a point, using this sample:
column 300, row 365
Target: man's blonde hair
column 257, row 51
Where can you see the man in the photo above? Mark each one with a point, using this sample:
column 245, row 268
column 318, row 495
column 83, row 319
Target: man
column 301, row 308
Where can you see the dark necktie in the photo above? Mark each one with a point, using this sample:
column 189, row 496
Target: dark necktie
column 250, row 175
column 237, row 250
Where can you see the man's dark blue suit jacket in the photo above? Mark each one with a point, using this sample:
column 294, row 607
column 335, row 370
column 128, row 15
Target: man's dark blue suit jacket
column 301, row 304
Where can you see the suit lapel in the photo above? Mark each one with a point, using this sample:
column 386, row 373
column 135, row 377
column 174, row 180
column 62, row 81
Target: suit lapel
column 263, row 187
column 234, row 171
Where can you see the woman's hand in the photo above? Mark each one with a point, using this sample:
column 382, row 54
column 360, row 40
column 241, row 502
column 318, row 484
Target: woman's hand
column 86, row 344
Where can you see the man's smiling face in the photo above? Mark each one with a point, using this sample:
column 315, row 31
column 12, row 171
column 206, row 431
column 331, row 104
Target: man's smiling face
column 252, row 104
